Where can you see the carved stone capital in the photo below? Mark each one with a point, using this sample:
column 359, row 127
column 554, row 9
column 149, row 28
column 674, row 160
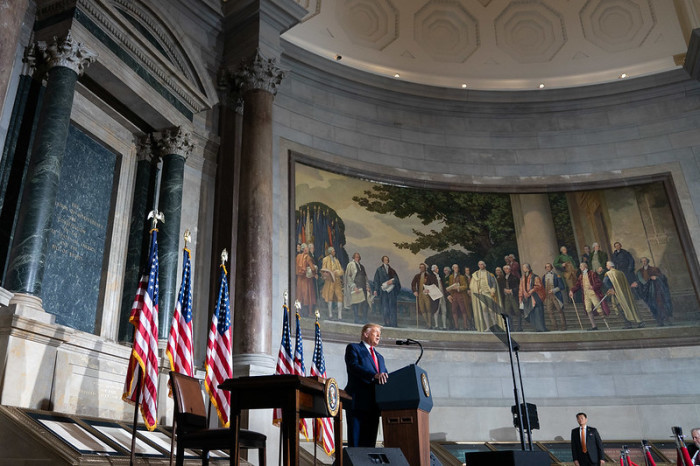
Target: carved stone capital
column 174, row 141
column 229, row 94
column 259, row 73
column 144, row 149
column 67, row 53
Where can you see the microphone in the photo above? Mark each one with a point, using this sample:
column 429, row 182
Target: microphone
column 411, row 341
column 407, row 341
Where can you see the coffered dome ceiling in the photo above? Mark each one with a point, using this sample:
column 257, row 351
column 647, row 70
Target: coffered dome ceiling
column 495, row 44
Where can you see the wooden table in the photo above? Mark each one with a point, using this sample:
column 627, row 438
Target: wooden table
column 297, row 396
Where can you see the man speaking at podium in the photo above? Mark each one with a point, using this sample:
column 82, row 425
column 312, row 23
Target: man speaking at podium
column 365, row 368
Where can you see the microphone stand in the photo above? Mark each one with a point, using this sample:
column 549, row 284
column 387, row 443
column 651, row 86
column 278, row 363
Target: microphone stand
column 411, row 341
column 512, row 348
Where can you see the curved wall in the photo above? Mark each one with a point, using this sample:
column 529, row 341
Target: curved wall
column 518, row 141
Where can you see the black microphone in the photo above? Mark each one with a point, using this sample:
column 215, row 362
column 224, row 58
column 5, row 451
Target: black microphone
column 403, row 342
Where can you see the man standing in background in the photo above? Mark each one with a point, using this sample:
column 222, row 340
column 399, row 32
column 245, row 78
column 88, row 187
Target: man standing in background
column 586, row 445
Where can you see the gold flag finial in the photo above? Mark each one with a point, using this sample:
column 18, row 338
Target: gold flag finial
column 224, row 257
column 286, row 297
column 157, row 217
column 188, row 237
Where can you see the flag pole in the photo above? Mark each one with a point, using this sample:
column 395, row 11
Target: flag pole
column 132, row 456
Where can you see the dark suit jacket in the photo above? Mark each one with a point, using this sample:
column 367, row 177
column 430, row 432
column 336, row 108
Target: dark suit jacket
column 594, row 444
column 361, row 372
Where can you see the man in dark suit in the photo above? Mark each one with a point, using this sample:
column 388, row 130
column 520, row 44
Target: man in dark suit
column 586, row 446
column 365, row 368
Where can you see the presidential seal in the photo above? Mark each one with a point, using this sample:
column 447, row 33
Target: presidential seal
column 425, row 384
column 330, row 390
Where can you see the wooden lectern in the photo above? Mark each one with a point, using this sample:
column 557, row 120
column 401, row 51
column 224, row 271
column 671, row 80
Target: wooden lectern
column 299, row 397
column 406, row 401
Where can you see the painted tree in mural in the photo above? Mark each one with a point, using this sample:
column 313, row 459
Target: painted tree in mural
column 320, row 224
column 481, row 223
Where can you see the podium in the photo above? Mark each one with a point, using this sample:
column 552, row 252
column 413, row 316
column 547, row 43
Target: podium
column 405, row 401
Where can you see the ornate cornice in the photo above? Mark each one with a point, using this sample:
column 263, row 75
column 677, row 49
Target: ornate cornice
column 174, row 141
column 259, row 73
column 66, row 53
column 182, row 88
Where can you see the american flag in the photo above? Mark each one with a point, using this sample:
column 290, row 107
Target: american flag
column 324, row 426
column 285, row 362
column 143, row 362
column 219, row 355
column 299, row 368
column 179, row 349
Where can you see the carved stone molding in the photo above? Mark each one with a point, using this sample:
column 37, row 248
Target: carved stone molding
column 174, row 141
column 67, row 53
column 144, row 148
column 259, row 73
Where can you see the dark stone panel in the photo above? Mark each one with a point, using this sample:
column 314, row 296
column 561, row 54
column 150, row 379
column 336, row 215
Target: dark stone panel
column 71, row 286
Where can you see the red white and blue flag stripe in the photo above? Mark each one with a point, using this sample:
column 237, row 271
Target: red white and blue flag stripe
column 219, row 366
column 179, row 349
column 285, row 361
column 299, row 369
column 324, row 426
column 143, row 363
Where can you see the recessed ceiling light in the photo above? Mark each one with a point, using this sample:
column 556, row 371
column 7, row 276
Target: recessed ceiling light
column 464, row 85
column 541, row 86
column 397, row 75
column 624, row 75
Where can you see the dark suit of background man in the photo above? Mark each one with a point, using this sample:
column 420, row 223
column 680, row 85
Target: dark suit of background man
column 364, row 372
column 385, row 274
column 588, row 452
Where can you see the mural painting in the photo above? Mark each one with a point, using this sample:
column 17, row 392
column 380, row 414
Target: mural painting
column 449, row 260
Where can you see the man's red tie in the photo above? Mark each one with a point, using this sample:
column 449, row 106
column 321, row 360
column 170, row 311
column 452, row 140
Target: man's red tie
column 374, row 357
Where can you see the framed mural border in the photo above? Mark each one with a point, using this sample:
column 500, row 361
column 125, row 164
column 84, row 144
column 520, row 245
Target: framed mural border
column 670, row 336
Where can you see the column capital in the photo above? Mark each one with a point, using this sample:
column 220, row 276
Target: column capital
column 67, row 53
column 144, row 148
column 229, row 94
column 174, row 141
column 259, row 72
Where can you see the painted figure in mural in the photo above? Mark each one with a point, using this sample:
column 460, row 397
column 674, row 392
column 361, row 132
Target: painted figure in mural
column 425, row 306
column 652, row 286
column 624, row 262
column 509, row 285
column 590, row 285
column 554, row 300
column 305, row 272
column 310, row 249
column 619, row 290
column 532, row 296
column 457, row 287
column 446, row 271
column 387, row 286
column 442, row 304
column 468, row 277
column 514, row 266
column 498, row 273
column 586, row 256
column 356, row 289
column 564, row 264
column 485, row 304
column 598, row 260
column 332, row 291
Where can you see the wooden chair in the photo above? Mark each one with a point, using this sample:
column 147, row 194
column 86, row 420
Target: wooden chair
column 191, row 424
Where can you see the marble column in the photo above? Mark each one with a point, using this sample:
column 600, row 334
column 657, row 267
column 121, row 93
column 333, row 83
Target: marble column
column 65, row 60
column 174, row 146
column 15, row 155
column 534, row 230
column 137, row 250
column 258, row 80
